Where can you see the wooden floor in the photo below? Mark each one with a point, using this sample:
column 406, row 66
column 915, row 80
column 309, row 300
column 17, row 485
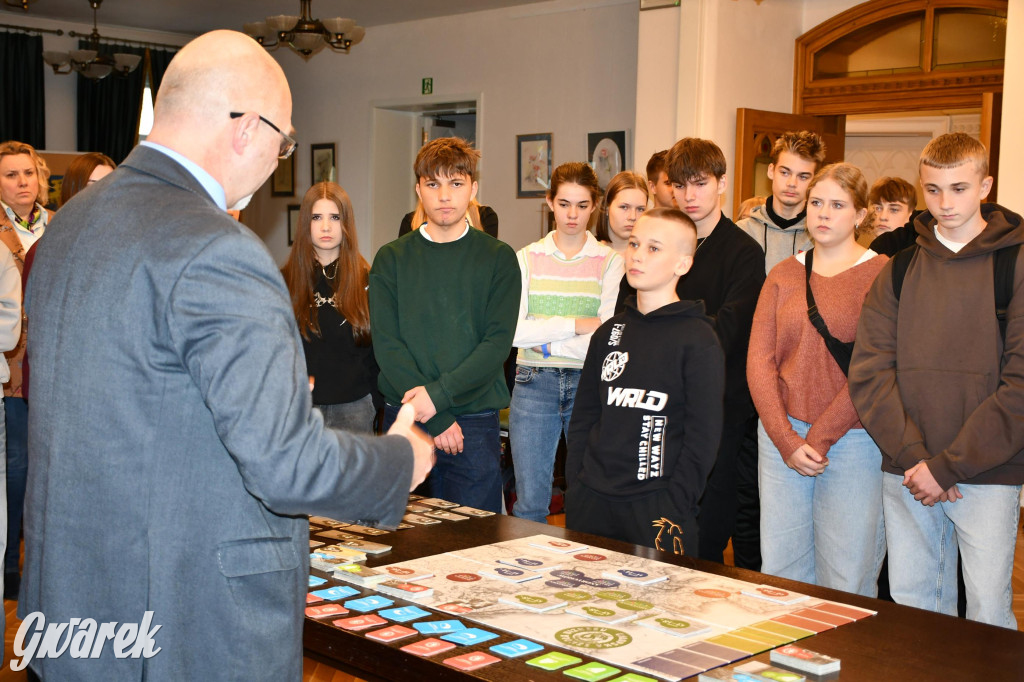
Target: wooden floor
column 318, row 672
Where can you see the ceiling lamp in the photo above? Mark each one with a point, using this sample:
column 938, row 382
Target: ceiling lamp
column 90, row 63
column 305, row 35
column 20, row 4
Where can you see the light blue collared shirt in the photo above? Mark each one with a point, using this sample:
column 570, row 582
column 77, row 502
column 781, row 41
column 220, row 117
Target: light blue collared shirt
column 211, row 186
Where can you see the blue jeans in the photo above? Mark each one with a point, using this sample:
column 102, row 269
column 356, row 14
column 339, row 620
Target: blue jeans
column 826, row 529
column 540, row 411
column 923, row 549
column 16, row 420
column 472, row 477
column 356, row 416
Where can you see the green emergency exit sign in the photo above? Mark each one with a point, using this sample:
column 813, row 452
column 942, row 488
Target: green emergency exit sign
column 428, row 86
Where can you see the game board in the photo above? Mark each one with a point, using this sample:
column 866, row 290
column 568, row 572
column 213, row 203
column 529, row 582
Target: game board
column 648, row 616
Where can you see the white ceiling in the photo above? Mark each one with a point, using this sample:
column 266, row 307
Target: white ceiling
column 198, row 16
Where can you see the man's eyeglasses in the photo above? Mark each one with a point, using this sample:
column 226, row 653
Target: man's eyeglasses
column 288, row 144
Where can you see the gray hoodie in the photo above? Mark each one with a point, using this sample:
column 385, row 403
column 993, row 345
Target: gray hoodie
column 777, row 243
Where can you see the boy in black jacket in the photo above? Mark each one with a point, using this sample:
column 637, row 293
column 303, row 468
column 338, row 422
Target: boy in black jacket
column 648, row 412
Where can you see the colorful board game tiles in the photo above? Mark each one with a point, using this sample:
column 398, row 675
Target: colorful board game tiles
column 427, row 647
column 517, row 647
column 469, row 636
column 363, row 622
column 391, row 633
column 403, row 614
column 371, row 603
column 474, row 660
column 316, row 581
column 633, row 677
column 591, row 672
column 553, row 660
column 326, row 610
column 335, row 593
column 433, row 627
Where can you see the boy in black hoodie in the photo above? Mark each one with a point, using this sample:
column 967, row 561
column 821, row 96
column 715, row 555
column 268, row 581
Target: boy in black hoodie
column 648, row 412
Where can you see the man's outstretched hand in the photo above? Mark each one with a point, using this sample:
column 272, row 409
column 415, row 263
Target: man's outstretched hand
column 422, row 445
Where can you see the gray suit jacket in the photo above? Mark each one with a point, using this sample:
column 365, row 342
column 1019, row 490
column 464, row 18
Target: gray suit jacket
column 173, row 446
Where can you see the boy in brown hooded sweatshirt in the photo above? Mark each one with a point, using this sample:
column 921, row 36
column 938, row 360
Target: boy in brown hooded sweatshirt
column 942, row 393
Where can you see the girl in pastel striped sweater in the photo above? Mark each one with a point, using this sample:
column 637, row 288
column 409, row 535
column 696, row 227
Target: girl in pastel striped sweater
column 570, row 283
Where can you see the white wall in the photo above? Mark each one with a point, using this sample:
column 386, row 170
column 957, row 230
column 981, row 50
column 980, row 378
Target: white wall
column 1011, row 173
column 817, row 11
column 731, row 54
column 60, row 91
column 566, row 67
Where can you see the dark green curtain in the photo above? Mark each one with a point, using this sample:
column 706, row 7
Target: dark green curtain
column 22, row 110
column 108, row 109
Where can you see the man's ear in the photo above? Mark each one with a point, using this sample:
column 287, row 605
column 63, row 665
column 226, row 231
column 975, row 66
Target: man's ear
column 244, row 131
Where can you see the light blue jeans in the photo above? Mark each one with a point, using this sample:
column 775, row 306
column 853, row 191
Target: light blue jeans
column 923, row 549
column 540, row 410
column 825, row 529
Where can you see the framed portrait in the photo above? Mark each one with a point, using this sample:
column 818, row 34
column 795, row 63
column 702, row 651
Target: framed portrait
column 293, row 221
column 533, row 165
column 321, row 159
column 606, row 154
column 282, row 182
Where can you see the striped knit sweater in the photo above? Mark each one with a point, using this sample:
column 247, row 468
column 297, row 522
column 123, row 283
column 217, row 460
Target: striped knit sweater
column 556, row 291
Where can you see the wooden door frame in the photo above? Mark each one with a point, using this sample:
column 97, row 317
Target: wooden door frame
column 925, row 90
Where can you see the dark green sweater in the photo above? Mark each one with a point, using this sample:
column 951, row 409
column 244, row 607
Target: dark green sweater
column 443, row 316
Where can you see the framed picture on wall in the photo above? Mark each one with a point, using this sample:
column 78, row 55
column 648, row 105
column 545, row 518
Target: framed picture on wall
column 606, row 154
column 322, row 162
column 533, row 165
column 293, row 221
column 282, row 182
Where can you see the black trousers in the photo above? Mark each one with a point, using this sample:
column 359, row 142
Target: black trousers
column 651, row 521
column 731, row 506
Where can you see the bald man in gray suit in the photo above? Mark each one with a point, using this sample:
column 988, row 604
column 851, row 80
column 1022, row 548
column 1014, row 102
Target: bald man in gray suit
column 174, row 450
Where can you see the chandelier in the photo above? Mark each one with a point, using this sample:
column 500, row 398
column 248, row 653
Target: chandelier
column 305, row 35
column 91, row 63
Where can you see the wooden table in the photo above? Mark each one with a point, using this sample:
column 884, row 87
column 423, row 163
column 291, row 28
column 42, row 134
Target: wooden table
column 900, row 643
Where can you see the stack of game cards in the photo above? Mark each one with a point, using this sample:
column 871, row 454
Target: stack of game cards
column 804, row 660
column 361, row 575
column 405, row 590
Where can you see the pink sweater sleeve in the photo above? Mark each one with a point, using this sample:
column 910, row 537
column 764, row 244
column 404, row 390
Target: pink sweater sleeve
column 763, row 372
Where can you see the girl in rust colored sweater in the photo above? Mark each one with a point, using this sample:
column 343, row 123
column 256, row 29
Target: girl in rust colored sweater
column 818, row 469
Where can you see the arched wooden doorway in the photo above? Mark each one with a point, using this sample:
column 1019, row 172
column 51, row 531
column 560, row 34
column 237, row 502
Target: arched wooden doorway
column 886, row 56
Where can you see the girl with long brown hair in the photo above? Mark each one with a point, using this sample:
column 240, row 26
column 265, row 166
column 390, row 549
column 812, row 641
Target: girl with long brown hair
column 327, row 278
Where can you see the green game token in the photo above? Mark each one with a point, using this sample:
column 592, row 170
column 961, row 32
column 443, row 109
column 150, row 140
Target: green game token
column 613, row 595
column 635, row 605
column 672, row 623
column 592, row 672
column 553, row 661
column 633, row 677
column 573, row 595
column 599, row 612
column 531, row 599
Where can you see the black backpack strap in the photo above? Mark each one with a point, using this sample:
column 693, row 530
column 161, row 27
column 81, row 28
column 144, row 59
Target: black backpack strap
column 900, row 265
column 1004, row 266
column 841, row 352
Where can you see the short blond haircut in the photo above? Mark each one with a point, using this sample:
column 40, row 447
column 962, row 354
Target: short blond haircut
column 955, row 149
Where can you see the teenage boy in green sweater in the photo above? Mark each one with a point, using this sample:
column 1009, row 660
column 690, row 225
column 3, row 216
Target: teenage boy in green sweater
column 444, row 300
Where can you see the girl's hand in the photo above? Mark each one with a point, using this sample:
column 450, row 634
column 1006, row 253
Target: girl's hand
column 806, row 461
column 587, row 325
